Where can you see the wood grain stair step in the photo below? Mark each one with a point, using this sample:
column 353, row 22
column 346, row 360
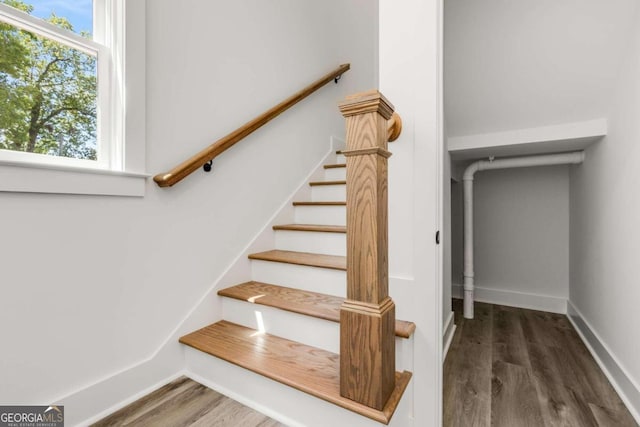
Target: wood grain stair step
column 303, row 302
column 319, row 203
column 336, row 166
column 312, row 227
column 305, row 368
column 303, row 258
column 318, row 183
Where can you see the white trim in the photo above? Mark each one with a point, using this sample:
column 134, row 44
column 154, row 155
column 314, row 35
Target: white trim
column 515, row 299
column 22, row 158
column 619, row 377
column 129, row 400
column 39, row 26
column 447, row 335
column 71, row 167
column 67, row 180
column 241, row 399
column 111, row 106
column 439, row 255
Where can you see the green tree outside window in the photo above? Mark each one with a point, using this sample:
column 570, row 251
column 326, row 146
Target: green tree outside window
column 48, row 93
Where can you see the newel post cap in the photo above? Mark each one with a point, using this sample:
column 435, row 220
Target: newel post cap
column 371, row 101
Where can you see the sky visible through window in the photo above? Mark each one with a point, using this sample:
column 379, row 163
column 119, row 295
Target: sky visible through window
column 78, row 12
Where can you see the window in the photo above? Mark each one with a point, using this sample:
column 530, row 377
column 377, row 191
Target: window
column 62, row 91
column 49, row 81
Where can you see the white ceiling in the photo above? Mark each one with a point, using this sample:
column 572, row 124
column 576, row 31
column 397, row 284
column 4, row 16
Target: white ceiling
column 513, row 64
column 523, row 142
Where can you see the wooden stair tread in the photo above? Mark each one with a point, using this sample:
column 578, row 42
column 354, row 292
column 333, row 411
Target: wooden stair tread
column 303, row 258
column 312, row 227
column 319, row 203
column 308, row 369
column 317, row 183
column 335, row 166
column 303, row 302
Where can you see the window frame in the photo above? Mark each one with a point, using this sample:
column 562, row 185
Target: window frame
column 121, row 82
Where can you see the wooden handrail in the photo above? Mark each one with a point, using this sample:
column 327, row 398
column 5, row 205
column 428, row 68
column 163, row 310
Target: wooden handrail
column 194, row 163
column 394, row 127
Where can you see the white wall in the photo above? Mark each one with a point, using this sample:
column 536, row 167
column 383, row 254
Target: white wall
column 93, row 285
column 521, row 230
column 410, row 76
column 605, row 232
column 525, row 64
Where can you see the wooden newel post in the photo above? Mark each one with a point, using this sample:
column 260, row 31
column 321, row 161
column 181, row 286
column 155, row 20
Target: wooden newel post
column 367, row 317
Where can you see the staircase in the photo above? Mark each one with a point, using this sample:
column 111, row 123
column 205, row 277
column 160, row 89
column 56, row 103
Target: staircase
column 313, row 340
column 284, row 323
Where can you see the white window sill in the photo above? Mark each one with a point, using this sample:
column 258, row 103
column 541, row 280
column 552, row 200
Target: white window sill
column 36, row 178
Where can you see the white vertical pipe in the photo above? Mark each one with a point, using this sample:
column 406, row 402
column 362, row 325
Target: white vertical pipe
column 468, row 248
column 516, row 162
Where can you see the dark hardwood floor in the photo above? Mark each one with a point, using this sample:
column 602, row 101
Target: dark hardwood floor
column 184, row 402
column 511, row 367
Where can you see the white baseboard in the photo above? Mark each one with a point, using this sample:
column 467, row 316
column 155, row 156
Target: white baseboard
column 618, row 376
column 447, row 335
column 515, row 299
column 98, row 390
column 95, row 401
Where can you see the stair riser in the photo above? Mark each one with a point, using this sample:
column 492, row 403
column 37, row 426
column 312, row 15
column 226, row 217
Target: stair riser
column 285, row 324
column 314, row 279
column 295, row 327
column 341, row 159
column 335, row 174
column 324, row 215
column 314, row 242
column 296, row 408
column 329, row 193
